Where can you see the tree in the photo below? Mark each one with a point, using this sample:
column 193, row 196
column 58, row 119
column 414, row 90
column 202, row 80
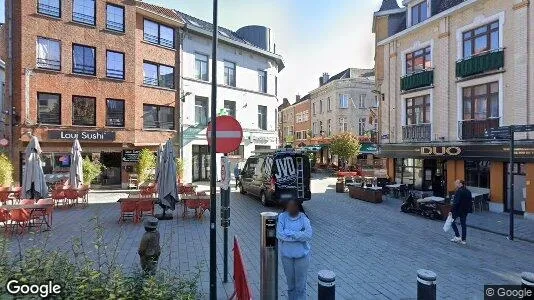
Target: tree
column 91, row 170
column 6, row 170
column 345, row 145
column 146, row 165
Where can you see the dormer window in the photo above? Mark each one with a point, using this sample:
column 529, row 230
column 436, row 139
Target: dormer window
column 419, row 13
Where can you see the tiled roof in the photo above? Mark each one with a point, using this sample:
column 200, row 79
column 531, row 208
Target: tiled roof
column 446, row 4
column 284, row 104
column 388, row 5
column 167, row 12
column 355, row 73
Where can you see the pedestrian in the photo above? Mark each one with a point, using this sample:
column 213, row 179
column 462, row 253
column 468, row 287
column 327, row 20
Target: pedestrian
column 236, row 174
column 294, row 233
column 462, row 205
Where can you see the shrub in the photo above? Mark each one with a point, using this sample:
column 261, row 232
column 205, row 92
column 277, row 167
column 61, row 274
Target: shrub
column 345, row 145
column 180, row 168
column 146, row 165
column 6, row 170
column 89, row 271
column 91, row 170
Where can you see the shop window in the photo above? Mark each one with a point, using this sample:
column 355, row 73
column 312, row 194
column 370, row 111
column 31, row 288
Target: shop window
column 83, row 111
column 158, row 117
column 477, row 173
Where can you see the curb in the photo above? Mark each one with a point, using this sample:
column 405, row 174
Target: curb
column 500, row 233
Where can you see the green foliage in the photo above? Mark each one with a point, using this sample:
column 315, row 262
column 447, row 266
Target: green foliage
column 180, row 168
column 146, row 165
column 6, row 170
column 89, row 271
column 91, row 170
column 345, row 145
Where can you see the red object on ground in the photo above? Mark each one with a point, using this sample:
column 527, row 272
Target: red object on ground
column 229, row 134
column 241, row 286
column 348, row 174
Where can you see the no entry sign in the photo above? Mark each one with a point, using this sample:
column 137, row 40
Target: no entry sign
column 229, row 134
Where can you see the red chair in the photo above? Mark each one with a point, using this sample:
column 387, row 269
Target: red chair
column 58, row 195
column 83, row 194
column 4, row 218
column 4, row 196
column 44, row 217
column 145, row 208
column 19, row 218
column 71, row 196
column 27, row 202
column 191, row 203
column 146, row 192
column 128, row 210
column 17, row 194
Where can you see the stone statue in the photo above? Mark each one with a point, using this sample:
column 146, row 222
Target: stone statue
column 149, row 249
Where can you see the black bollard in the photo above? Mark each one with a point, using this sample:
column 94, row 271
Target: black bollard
column 527, row 281
column 426, row 285
column 326, row 285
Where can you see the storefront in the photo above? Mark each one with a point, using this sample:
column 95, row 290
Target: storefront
column 435, row 167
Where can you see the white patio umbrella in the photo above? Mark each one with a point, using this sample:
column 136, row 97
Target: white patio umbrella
column 33, row 180
column 167, row 188
column 159, row 160
column 76, row 170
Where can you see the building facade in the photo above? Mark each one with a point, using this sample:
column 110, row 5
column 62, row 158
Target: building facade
column 448, row 72
column 247, row 70
column 281, row 122
column 303, row 121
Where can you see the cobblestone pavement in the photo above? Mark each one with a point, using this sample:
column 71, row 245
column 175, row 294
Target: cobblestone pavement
column 374, row 249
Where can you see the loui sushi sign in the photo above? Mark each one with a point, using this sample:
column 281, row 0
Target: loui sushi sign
column 69, row 135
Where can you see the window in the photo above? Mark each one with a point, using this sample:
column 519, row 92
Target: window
column 299, row 135
column 240, row 152
column 477, row 173
column 321, row 129
column 115, row 17
column 158, row 34
column 201, row 66
column 320, row 106
column 48, row 54
column 328, row 127
column 328, row 104
column 419, row 13
column 314, row 128
column 49, row 108
column 343, row 126
column 361, row 126
column 418, row 110
column 482, row 39
column 83, row 111
column 114, row 113
column 83, row 11
column 481, row 102
column 275, row 86
column 418, row 60
column 262, row 81
column 229, row 73
column 262, row 117
column 344, row 101
column 83, row 59
column 158, row 117
column 49, row 7
column 230, row 107
column 313, row 108
column 201, row 111
column 362, row 101
column 115, row 65
column 158, row 75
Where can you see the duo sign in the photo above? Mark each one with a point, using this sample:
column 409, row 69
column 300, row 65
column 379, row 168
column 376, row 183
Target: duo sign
column 68, row 135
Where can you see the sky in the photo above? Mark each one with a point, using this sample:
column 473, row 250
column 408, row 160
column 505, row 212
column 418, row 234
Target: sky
column 313, row 36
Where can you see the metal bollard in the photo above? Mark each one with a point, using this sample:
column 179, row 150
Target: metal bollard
column 426, row 285
column 326, row 285
column 527, row 281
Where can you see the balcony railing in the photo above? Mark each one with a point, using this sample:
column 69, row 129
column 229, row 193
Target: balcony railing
column 49, row 10
column 476, row 129
column 487, row 61
column 416, row 133
column 114, row 73
column 50, row 64
column 83, row 18
column 417, row 80
column 115, row 26
column 84, row 69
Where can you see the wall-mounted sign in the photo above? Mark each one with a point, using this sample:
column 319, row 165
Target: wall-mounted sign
column 69, row 135
column 130, row 155
column 441, row 151
column 263, row 139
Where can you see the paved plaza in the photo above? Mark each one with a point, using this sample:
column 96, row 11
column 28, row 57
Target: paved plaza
column 374, row 249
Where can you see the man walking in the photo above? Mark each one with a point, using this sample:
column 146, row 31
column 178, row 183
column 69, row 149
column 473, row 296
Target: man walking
column 462, row 205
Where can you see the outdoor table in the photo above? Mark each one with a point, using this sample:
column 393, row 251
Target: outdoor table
column 393, row 186
column 136, row 199
column 32, row 208
column 369, row 194
column 199, row 203
column 431, row 199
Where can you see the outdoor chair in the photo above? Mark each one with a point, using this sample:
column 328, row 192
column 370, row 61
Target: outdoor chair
column 145, row 208
column 146, row 192
column 27, row 202
column 83, row 194
column 4, row 218
column 71, row 196
column 39, row 216
column 128, row 210
column 17, row 194
column 20, row 218
column 191, row 204
column 203, row 205
column 58, row 195
column 4, row 197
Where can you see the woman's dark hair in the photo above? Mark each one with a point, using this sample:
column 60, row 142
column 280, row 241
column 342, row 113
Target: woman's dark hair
column 301, row 207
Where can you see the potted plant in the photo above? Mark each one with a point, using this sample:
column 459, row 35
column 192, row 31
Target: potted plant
column 179, row 169
column 145, row 166
column 91, row 170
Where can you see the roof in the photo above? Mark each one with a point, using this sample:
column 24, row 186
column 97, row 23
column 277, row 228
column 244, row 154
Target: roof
column 443, row 5
column 285, row 104
column 352, row 73
column 303, row 98
column 388, row 5
column 166, row 12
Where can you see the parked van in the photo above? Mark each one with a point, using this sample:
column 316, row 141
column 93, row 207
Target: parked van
column 277, row 176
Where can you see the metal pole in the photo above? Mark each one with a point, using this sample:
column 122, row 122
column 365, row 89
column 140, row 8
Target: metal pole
column 213, row 158
column 511, row 183
column 225, row 228
column 326, row 287
column 225, row 211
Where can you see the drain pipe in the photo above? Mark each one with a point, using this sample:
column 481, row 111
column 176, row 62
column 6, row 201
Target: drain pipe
column 9, row 65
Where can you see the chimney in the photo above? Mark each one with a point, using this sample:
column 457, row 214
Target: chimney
column 297, row 98
column 324, row 79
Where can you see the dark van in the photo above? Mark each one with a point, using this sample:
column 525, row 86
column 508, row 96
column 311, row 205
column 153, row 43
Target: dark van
column 277, row 176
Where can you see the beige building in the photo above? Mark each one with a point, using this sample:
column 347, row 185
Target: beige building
column 286, row 123
column 448, row 71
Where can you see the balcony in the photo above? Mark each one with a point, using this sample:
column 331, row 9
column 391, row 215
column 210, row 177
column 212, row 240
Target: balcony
column 416, row 133
column 487, row 61
column 421, row 79
column 476, row 129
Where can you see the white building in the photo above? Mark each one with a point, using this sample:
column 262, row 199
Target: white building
column 247, row 69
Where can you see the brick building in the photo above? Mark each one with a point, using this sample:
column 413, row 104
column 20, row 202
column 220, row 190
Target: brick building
column 302, row 129
column 286, row 123
column 449, row 70
column 104, row 71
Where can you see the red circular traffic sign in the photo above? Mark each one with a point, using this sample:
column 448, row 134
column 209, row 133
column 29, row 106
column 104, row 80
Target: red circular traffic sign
column 229, row 134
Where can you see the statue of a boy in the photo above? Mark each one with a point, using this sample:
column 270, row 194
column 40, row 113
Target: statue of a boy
column 149, row 249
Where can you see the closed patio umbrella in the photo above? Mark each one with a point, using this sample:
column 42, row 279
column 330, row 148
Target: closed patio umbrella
column 159, row 160
column 33, row 180
column 167, row 188
column 76, row 170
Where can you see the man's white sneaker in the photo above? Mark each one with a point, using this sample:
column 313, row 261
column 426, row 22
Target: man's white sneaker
column 456, row 239
column 463, row 242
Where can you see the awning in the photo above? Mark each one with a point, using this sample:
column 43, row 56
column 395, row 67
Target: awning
column 312, row 148
column 368, row 149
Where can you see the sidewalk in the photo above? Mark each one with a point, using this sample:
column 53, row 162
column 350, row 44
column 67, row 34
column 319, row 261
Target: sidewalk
column 499, row 223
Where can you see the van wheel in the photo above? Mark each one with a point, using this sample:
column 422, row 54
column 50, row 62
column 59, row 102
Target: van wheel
column 263, row 198
column 241, row 190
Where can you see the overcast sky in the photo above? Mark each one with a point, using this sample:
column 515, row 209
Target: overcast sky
column 313, row 36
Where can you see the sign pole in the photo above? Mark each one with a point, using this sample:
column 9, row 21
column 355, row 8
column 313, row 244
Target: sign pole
column 511, row 183
column 225, row 209
column 213, row 158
